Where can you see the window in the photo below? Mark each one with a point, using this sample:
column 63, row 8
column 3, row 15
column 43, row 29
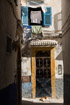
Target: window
column 35, row 16
column 9, row 44
column 47, row 17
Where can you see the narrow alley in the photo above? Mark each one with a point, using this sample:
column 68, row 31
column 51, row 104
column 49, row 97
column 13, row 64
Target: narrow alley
column 42, row 60
column 34, row 52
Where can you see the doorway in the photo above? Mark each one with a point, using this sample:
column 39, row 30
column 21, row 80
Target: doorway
column 43, row 80
column 43, row 74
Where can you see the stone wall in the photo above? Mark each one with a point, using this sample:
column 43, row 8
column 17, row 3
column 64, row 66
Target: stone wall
column 66, row 49
column 8, row 60
column 8, row 25
column 59, row 83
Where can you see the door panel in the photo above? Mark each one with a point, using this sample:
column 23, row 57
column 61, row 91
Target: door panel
column 43, row 74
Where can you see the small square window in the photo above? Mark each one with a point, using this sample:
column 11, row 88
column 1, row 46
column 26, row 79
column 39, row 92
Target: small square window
column 9, row 44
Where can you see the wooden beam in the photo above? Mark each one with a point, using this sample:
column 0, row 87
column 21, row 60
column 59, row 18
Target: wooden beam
column 33, row 75
column 53, row 72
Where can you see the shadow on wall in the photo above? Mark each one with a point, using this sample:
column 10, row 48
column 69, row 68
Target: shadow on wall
column 58, row 22
column 59, row 57
column 8, row 95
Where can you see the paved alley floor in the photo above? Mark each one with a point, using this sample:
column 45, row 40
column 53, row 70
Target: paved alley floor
column 49, row 101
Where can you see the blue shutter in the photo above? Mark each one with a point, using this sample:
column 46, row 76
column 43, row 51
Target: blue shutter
column 25, row 16
column 47, row 17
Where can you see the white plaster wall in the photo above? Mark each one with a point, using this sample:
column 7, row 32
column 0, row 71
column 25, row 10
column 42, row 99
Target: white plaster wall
column 26, row 66
column 56, row 15
column 23, row 2
column 58, row 50
column 58, row 61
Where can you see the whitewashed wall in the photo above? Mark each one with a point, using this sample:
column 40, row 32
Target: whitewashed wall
column 56, row 15
column 58, row 61
column 26, row 66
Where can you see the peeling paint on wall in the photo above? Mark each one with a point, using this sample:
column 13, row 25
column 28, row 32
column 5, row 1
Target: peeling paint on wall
column 26, row 66
column 26, row 90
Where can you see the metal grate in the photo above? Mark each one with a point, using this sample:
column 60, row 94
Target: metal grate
column 43, row 74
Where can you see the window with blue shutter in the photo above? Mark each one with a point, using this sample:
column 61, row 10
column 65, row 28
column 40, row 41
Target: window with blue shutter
column 25, row 16
column 47, row 17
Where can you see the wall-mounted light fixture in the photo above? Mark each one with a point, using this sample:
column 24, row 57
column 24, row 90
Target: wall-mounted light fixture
column 59, row 69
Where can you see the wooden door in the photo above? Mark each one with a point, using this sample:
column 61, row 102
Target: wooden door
column 43, row 74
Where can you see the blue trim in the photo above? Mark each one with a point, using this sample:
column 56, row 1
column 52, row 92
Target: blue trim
column 24, row 16
column 48, row 13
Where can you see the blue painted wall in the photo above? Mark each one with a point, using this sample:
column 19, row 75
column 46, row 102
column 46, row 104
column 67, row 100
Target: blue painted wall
column 27, row 90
